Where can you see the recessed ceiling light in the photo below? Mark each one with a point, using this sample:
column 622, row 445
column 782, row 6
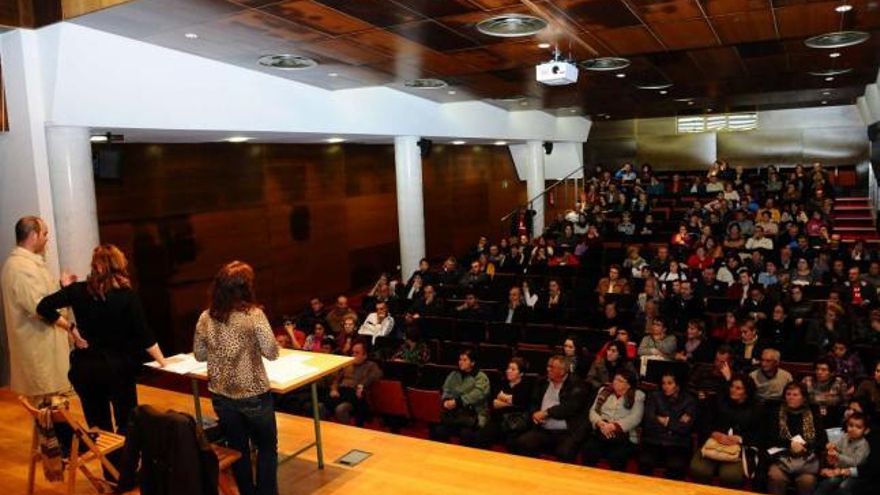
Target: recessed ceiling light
column 691, row 102
column 500, row 143
column 524, row 103
column 621, row 75
column 607, row 116
column 451, row 91
column 829, row 78
column 425, row 83
column 237, row 139
column 511, row 25
column 843, row 8
column 834, row 54
column 830, row 72
column 663, row 92
column 606, row 63
column 333, row 74
column 191, row 36
column 286, row 61
column 826, row 93
column 99, row 139
column 458, row 142
column 334, row 140
column 837, row 39
column 824, row 102
column 573, row 110
column 544, row 45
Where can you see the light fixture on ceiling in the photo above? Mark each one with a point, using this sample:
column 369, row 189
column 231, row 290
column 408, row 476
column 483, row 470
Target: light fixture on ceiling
column 573, row 110
column 654, row 85
column 829, row 78
column 544, row 46
column 333, row 74
column 837, row 39
column 191, row 36
column 335, row 140
column 237, row 139
column 834, row 54
column 425, row 83
column 843, row 8
column 691, row 102
column 102, row 138
column 451, row 92
column 663, row 92
column 709, row 110
column 604, row 64
column 524, row 103
column 500, row 143
column 287, row 61
column 621, row 75
column 826, row 93
column 458, row 142
column 824, row 102
column 511, row 25
column 830, row 72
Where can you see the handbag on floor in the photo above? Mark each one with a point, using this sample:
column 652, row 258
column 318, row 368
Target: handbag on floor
column 717, row 451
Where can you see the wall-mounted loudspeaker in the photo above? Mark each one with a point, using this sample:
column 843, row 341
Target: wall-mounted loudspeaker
column 425, row 147
column 548, row 147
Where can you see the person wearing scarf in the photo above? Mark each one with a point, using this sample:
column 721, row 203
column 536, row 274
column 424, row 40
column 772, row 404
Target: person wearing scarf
column 607, row 364
column 614, row 417
column 797, row 430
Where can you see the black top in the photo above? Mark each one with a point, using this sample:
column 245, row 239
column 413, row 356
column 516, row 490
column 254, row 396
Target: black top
column 115, row 324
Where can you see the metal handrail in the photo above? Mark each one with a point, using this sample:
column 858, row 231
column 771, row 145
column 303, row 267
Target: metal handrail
column 542, row 193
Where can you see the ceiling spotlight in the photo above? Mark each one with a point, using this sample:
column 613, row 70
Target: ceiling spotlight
column 824, row 102
column 544, row 46
column 191, row 36
column 98, row 139
column 691, row 102
column 524, row 103
column 829, row 78
column 621, row 75
column 500, row 143
column 607, row 116
column 663, row 91
column 237, row 139
column 511, row 25
column 451, row 91
column 837, row 39
column 834, row 54
column 333, row 74
column 573, row 110
column 843, row 8
column 458, row 142
column 286, row 61
column 335, row 140
column 425, row 83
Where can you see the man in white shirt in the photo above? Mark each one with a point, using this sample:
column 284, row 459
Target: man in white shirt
column 378, row 324
column 758, row 241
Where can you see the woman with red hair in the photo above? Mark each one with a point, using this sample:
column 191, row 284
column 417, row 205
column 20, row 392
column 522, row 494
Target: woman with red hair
column 112, row 338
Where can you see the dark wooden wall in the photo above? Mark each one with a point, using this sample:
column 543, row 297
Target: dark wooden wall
column 312, row 219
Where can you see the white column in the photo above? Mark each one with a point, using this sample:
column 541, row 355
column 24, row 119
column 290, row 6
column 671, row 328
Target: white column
column 73, row 197
column 410, row 203
column 535, row 183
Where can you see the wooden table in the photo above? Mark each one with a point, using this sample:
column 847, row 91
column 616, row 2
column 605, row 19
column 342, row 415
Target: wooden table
column 324, row 364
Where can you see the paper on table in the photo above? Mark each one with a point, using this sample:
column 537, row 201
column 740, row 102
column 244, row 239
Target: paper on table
column 288, row 368
column 181, row 364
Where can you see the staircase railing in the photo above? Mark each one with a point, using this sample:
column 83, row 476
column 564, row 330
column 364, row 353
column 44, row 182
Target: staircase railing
column 578, row 184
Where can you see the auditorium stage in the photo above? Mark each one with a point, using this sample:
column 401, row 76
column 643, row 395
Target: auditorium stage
column 399, row 464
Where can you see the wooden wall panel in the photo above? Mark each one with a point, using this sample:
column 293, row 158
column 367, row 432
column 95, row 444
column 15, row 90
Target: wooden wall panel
column 314, row 220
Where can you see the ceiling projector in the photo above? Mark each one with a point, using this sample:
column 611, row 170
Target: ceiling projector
column 556, row 73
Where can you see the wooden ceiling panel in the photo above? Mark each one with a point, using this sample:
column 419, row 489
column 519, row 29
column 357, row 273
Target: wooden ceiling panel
column 656, row 11
column 718, row 63
column 317, row 16
column 721, row 7
column 381, row 13
column 484, row 59
column 743, row 27
column 496, row 4
column 865, row 15
column 347, row 51
column 387, row 43
column 257, row 28
column 433, row 35
column 695, row 33
column 677, row 66
column 766, row 66
column 592, row 15
column 806, row 20
column 439, row 64
column 629, row 40
column 434, row 8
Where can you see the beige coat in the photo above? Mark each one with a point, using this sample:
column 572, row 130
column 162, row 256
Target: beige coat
column 38, row 353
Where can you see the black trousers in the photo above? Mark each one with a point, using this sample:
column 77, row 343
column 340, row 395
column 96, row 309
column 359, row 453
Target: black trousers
column 675, row 459
column 616, row 450
column 539, row 440
column 103, row 379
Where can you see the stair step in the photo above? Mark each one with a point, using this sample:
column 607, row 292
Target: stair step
column 852, row 208
column 850, row 217
column 840, row 230
column 852, row 198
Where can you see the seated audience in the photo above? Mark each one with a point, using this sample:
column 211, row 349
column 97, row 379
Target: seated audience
column 614, row 417
column 351, row 386
column 670, row 415
column 378, row 324
column 464, row 401
column 510, row 408
column 770, row 380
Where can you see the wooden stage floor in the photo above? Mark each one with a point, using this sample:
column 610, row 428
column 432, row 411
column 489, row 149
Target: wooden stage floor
column 399, row 464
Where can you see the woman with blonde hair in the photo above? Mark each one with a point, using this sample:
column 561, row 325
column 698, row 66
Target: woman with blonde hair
column 111, row 336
